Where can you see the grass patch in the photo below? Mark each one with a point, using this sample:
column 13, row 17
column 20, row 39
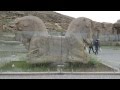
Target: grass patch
column 92, row 66
column 23, row 66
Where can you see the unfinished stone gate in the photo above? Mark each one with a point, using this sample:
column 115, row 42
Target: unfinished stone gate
column 43, row 47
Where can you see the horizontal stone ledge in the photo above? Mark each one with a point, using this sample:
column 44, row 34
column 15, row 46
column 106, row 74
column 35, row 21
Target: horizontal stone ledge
column 59, row 73
column 13, row 42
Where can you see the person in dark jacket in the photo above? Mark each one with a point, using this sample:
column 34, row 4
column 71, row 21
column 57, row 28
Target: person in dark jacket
column 97, row 46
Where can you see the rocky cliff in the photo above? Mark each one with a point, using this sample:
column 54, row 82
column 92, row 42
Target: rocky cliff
column 56, row 22
column 53, row 21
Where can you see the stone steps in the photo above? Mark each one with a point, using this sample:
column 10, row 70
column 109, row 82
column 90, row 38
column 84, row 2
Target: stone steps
column 7, row 36
column 10, row 50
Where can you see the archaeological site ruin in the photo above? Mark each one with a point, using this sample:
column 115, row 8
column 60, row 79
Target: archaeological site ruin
column 48, row 37
column 43, row 47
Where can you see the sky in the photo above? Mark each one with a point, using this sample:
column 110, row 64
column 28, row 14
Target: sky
column 100, row 16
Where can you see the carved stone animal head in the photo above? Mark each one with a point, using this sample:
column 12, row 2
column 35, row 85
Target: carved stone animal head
column 28, row 26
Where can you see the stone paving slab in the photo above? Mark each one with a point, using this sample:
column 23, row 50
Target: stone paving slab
column 110, row 57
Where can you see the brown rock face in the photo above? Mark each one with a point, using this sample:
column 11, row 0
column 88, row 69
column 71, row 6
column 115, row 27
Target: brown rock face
column 50, row 18
column 116, row 30
column 56, row 23
column 103, row 31
column 117, row 24
column 1, row 26
column 92, row 30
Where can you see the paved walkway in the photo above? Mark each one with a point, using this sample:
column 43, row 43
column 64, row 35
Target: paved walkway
column 110, row 57
column 60, row 76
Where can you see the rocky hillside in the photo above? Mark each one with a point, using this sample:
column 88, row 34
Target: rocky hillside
column 56, row 22
column 53, row 21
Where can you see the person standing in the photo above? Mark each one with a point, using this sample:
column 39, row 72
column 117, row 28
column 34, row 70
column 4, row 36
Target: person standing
column 97, row 46
column 91, row 47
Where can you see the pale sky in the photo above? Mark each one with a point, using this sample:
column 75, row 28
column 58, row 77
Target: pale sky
column 99, row 16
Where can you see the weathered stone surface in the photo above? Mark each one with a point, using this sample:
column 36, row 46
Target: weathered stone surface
column 46, row 48
column 55, row 21
column 95, row 30
column 116, row 30
column 84, row 29
column 43, row 47
column 78, row 34
column 103, row 31
column 29, row 26
column 1, row 26
column 54, row 48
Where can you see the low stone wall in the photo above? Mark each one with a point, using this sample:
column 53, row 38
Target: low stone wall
column 57, row 49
